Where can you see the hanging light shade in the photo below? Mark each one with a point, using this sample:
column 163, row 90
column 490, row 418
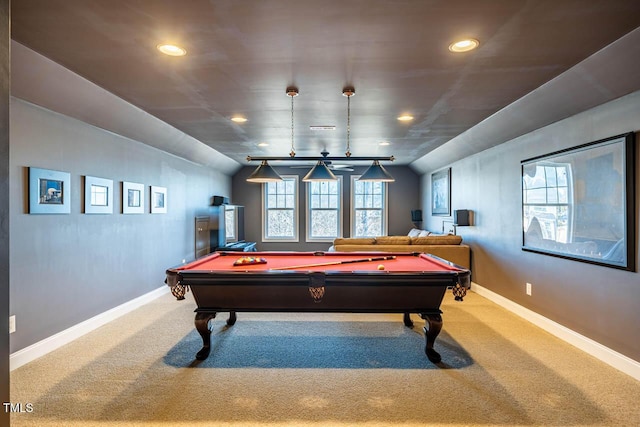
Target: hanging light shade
column 376, row 172
column 264, row 173
column 320, row 172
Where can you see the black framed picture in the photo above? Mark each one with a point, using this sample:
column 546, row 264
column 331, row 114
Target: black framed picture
column 441, row 192
column 132, row 198
column 158, row 199
column 579, row 203
column 49, row 191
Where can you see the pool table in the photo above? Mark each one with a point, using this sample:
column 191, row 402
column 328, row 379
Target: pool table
column 351, row 282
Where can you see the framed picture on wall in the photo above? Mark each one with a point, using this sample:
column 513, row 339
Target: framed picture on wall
column 98, row 195
column 579, row 204
column 158, row 199
column 49, row 191
column 132, row 198
column 441, row 192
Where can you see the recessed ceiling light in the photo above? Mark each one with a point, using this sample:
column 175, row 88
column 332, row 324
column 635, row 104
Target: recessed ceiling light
column 464, row 45
column 238, row 119
column 172, row 50
column 322, row 127
column 405, row 118
column 263, row 144
column 384, row 143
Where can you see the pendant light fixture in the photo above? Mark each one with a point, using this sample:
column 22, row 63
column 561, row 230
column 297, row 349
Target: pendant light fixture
column 376, row 173
column 320, row 172
column 264, row 172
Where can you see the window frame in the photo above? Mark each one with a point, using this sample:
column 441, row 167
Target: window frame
column 384, row 209
column 309, row 209
column 295, row 209
column 235, row 223
column 552, row 186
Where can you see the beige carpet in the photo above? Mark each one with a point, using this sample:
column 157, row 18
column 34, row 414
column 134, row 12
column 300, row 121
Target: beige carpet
column 314, row 370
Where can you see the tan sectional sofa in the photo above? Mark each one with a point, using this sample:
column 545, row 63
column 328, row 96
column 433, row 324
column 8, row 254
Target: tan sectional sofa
column 449, row 247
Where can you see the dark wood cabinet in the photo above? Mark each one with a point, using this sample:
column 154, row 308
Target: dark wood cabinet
column 202, row 237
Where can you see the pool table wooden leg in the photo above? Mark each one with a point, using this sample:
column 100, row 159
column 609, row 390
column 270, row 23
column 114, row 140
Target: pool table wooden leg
column 407, row 319
column 232, row 318
column 202, row 326
column 431, row 330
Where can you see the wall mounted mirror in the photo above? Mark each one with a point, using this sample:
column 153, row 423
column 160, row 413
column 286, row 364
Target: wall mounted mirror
column 579, row 203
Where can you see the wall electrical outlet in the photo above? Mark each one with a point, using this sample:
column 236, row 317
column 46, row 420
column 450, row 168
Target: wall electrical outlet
column 529, row 289
column 12, row 324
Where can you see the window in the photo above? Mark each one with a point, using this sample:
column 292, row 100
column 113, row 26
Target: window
column 280, row 210
column 546, row 196
column 230, row 223
column 324, row 212
column 368, row 208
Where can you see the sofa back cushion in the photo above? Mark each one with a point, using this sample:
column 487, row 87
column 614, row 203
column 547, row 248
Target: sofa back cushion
column 354, row 241
column 394, row 240
column 441, row 239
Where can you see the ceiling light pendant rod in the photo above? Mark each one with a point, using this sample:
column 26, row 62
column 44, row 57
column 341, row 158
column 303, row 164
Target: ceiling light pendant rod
column 292, row 92
column 348, row 92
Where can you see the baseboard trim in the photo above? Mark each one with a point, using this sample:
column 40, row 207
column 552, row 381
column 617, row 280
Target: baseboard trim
column 47, row 345
column 597, row 350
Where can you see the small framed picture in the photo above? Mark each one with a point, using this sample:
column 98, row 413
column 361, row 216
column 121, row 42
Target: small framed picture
column 98, row 195
column 49, row 191
column 132, row 198
column 158, row 199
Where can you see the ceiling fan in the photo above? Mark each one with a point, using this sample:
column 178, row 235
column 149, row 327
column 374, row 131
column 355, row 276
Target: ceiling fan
column 328, row 163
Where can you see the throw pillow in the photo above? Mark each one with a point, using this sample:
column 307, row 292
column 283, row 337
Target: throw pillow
column 414, row 232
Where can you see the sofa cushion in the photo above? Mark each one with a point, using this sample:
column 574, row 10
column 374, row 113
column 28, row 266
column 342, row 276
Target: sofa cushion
column 439, row 239
column 423, row 233
column 393, row 240
column 354, row 241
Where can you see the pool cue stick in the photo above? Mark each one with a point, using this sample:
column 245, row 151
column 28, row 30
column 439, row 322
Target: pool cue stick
column 383, row 258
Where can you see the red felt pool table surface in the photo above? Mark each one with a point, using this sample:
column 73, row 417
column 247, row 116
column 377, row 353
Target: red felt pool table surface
column 305, row 261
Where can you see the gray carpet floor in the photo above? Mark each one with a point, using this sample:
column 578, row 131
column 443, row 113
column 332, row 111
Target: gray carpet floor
column 302, row 369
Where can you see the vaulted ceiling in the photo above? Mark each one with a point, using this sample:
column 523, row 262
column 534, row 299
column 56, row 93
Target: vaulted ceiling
column 243, row 54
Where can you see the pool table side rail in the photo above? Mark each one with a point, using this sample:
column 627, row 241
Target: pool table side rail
column 177, row 275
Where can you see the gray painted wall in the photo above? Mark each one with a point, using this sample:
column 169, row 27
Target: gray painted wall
column 68, row 268
column 4, row 207
column 598, row 302
column 404, row 196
